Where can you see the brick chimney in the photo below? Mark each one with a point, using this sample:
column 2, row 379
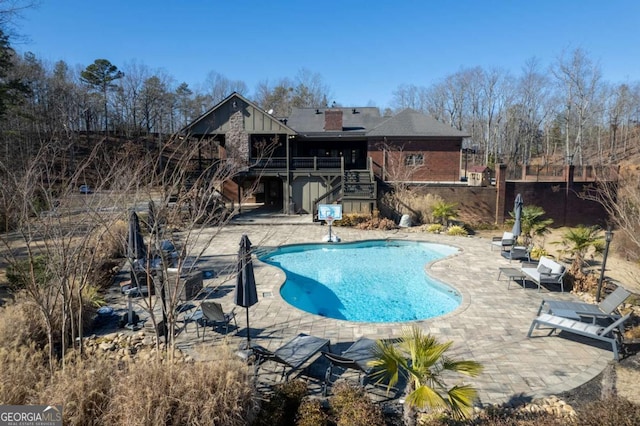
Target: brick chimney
column 333, row 120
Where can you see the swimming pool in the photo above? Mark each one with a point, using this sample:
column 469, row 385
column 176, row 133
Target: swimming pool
column 368, row 281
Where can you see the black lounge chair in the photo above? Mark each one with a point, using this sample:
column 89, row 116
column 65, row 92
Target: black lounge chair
column 292, row 355
column 356, row 357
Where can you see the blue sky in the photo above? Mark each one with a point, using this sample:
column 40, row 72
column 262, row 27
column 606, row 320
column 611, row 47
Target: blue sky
column 363, row 49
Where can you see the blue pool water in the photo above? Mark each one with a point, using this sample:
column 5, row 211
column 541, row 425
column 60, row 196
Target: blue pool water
column 370, row 281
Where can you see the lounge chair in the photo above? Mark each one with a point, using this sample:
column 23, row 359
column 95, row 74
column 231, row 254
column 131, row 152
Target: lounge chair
column 582, row 328
column 506, row 241
column 606, row 308
column 517, row 253
column 547, row 271
column 211, row 314
column 292, row 355
column 356, row 357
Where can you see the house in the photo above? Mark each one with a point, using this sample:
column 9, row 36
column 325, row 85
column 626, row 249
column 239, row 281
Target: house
column 328, row 155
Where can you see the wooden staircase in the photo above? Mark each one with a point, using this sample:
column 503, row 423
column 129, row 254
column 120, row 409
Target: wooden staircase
column 356, row 186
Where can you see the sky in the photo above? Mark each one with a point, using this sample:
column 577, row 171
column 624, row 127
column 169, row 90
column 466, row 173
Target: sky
column 364, row 50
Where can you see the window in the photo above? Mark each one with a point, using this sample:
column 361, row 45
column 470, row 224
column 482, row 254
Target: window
column 413, row 159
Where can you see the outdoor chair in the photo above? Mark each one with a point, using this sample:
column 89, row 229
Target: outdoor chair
column 292, row 355
column 211, row 314
column 582, row 329
column 547, row 271
column 356, row 357
column 506, row 241
column 517, row 253
column 606, row 308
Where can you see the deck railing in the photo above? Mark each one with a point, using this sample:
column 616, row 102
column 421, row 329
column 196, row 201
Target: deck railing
column 300, row 163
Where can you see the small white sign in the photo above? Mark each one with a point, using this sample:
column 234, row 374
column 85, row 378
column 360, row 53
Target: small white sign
column 329, row 211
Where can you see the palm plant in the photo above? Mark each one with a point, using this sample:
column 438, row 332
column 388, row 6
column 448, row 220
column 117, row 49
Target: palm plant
column 533, row 223
column 444, row 211
column 577, row 242
column 421, row 359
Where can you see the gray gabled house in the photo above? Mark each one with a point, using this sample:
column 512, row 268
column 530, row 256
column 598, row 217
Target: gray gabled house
column 328, row 155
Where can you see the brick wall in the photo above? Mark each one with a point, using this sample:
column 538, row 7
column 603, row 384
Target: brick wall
column 566, row 208
column 441, row 159
column 333, row 120
column 478, row 204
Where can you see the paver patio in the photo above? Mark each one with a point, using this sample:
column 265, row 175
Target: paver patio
column 490, row 326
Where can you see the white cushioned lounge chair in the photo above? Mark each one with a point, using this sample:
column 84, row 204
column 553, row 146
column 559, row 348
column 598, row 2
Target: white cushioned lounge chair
column 597, row 332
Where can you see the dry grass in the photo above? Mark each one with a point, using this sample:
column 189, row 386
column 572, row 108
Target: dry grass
column 20, row 325
column 610, row 412
column 83, row 389
column 23, row 373
column 218, row 393
column 111, row 243
column 417, row 205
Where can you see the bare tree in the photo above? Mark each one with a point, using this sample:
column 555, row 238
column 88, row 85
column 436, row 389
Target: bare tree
column 60, row 226
column 217, row 87
column 401, row 167
column 578, row 82
column 190, row 211
column 618, row 191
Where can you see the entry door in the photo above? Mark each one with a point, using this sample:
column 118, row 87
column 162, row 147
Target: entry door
column 273, row 192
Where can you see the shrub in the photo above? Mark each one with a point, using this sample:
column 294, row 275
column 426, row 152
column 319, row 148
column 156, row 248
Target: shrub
column 281, row 409
column 444, row 211
column 19, row 275
column 613, row 411
column 483, row 226
column 352, row 219
column 506, row 416
column 382, row 224
column 457, row 230
column 351, row 407
column 435, row 228
column 311, row 413
column 538, row 252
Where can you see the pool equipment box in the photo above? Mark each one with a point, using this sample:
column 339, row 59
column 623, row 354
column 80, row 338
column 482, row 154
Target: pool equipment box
column 329, row 211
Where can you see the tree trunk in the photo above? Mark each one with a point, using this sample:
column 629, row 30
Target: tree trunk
column 409, row 414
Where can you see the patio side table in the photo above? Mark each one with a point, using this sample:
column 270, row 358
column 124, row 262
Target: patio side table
column 512, row 274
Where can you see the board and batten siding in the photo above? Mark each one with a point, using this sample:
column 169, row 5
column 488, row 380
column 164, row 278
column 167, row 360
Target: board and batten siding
column 254, row 120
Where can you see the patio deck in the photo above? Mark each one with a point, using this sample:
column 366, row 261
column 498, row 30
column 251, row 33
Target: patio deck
column 490, row 326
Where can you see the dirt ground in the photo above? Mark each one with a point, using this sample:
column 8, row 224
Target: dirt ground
column 619, row 270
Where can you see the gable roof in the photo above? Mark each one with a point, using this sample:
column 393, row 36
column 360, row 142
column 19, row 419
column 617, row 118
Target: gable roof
column 354, row 120
column 310, row 122
column 206, row 123
column 409, row 122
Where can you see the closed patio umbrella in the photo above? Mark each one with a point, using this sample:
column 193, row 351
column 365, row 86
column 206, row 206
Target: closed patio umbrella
column 136, row 250
column 246, row 292
column 517, row 211
column 135, row 244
